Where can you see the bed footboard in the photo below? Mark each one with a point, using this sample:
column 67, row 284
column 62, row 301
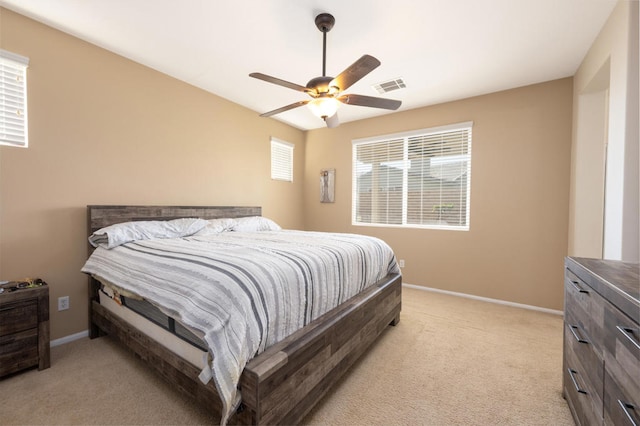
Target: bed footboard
column 281, row 385
column 284, row 383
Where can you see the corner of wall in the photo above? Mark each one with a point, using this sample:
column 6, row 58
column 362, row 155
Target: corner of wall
column 631, row 221
column 610, row 66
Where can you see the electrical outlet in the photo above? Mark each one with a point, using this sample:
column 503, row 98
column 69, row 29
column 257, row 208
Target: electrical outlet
column 401, row 263
column 63, row 303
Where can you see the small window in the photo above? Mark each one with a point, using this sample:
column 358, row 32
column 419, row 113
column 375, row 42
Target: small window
column 281, row 160
column 419, row 179
column 13, row 99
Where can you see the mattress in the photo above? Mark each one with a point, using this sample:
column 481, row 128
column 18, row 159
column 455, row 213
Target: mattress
column 190, row 349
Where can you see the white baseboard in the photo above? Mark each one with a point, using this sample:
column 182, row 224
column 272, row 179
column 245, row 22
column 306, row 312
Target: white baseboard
column 486, row 299
column 70, row 338
column 85, row 333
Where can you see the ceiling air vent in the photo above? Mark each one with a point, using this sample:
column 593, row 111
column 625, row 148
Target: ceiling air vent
column 389, row 86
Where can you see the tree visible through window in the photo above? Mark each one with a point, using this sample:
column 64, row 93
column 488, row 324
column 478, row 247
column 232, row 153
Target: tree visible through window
column 415, row 179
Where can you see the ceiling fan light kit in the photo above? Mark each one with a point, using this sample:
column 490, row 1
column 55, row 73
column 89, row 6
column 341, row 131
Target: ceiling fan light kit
column 324, row 107
column 326, row 91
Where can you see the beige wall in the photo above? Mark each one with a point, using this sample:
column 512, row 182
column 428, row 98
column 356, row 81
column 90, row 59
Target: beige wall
column 104, row 130
column 519, row 195
column 605, row 197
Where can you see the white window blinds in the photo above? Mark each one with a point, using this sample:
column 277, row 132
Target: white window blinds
column 281, row 160
column 13, row 99
column 416, row 179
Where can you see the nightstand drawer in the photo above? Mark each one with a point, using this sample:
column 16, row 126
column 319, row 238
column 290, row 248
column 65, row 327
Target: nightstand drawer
column 18, row 351
column 24, row 329
column 18, row 316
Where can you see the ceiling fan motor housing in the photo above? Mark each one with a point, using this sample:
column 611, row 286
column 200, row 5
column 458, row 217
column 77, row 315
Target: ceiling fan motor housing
column 320, row 86
column 326, row 90
column 325, row 22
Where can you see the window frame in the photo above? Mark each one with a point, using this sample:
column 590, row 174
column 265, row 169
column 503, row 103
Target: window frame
column 13, row 65
column 285, row 150
column 405, row 136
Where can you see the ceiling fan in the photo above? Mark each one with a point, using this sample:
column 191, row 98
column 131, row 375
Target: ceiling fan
column 327, row 91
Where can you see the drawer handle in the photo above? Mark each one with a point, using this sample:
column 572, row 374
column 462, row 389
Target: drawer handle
column 628, row 333
column 7, row 308
column 625, row 409
column 575, row 383
column 574, row 329
column 577, row 287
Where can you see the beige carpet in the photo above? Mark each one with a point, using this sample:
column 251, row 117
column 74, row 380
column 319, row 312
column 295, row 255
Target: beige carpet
column 450, row 361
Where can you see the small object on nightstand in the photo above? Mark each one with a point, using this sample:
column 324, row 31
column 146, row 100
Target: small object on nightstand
column 24, row 326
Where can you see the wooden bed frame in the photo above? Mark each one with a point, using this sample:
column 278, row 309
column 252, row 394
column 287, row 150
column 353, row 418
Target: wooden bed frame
column 281, row 385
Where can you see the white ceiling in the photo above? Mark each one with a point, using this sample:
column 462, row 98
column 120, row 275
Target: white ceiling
column 443, row 49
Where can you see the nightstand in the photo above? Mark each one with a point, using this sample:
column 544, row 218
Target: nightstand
column 24, row 329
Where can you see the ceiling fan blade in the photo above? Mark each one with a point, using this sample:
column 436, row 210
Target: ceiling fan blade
column 284, row 108
column 370, row 101
column 355, row 72
column 278, row 81
column 332, row 121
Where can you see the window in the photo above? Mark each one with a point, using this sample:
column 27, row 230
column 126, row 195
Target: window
column 281, row 160
column 418, row 179
column 13, row 99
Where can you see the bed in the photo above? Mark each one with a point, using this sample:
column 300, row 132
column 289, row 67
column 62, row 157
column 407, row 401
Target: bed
column 282, row 383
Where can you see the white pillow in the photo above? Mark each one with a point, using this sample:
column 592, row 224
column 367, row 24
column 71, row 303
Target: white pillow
column 121, row 233
column 217, row 226
column 254, row 224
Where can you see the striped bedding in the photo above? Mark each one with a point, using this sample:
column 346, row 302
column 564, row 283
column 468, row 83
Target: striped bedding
column 244, row 291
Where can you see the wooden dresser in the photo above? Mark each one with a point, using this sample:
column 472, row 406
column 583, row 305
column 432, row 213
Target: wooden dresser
column 601, row 362
column 24, row 329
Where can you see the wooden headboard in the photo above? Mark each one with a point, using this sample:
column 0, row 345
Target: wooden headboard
column 101, row 216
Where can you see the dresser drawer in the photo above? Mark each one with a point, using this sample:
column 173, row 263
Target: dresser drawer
column 619, row 407
column 602, row 306
column 585, row 357
column 583, row 379
column 18, row 316
column 584, row 308
column 18, row 351
column 622, row 359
